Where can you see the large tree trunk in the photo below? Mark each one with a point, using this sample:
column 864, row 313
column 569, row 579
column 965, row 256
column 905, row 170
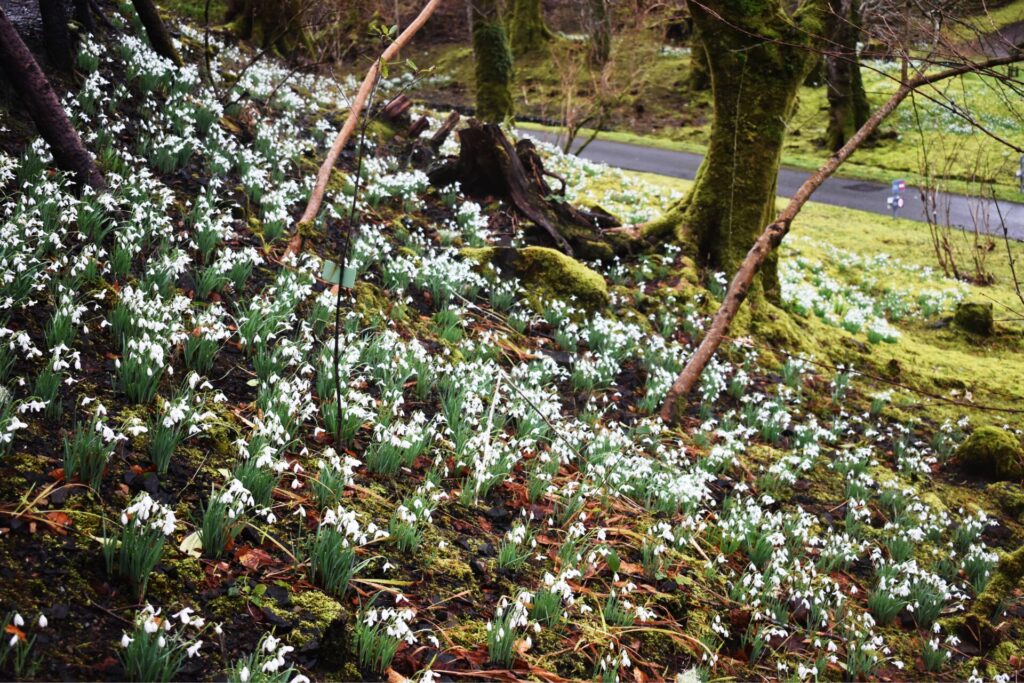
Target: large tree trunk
column 754, row 82
column 847, row 102
column 493, row 62
column 55, row 31
column 600, row 21
column 527, row 31
column 44, row 107
column 157, row 33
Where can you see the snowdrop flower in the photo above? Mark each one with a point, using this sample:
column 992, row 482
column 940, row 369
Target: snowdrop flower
column 43, row 623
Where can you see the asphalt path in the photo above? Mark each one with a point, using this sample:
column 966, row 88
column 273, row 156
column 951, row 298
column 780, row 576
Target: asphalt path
column 963, row 212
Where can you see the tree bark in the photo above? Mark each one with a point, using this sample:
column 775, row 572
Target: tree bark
column 600, row 21
column 493, row 68
column 156, row 31
column 54, row 14
column 847, row 101
column 43, row 106
column 699, row 79
column 754, row 81
column 527, row 31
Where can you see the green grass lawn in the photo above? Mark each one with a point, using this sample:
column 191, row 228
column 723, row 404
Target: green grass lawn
column 992, row 20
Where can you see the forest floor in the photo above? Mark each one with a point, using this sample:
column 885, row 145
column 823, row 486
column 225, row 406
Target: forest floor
column 195, row 485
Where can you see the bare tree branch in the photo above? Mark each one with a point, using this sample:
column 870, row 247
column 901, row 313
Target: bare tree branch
column 316, row 197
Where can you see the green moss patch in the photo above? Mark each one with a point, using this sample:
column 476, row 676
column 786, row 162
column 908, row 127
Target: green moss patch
column 992, row 453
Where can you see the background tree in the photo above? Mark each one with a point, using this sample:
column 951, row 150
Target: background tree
column 54, row 14
column 156, row 31
column 38, row 97
column 848, row 106
column 599, row 25
column 275, row 24
column 528, row 33
column 758, row 56
column 493, row 62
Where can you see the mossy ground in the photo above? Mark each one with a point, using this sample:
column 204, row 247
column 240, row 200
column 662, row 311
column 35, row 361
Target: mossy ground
column 452, row 579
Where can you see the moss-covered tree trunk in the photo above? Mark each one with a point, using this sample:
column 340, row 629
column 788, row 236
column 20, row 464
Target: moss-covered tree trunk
column 848, row 107
column 493, row 62
column 156, row 31
column 527, row 31
column 754, row 82
column 600, row 20
column 273, row 24
column 699, row 79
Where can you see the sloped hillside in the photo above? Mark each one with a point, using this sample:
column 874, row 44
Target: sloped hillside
column 210, row 471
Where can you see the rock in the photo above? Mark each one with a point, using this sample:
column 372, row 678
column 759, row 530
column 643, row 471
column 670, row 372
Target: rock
column 975, row 318
column 1009, row 497
column 992, row 453
column 479, row 567
column 547, row 274
column 281, row 624
column 497, row 514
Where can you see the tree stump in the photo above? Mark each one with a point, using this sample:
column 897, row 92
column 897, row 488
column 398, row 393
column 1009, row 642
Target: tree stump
column 489, row 165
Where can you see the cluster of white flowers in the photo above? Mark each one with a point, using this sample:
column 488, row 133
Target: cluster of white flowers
column 348, row 524
column 146, row 511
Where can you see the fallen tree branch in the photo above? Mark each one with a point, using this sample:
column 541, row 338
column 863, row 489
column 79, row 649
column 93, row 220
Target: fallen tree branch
column 316, row 197
column 777, row 230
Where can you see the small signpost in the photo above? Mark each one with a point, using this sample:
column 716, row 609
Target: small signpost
column 1020, row 174
column 895, row 200
column 346, row 279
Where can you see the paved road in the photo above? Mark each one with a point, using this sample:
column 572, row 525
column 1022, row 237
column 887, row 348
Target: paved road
column 853, row 194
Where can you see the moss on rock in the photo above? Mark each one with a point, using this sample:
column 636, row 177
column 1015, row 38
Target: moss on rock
column 1004, row 581
column 1008, row 496
column 547, row 274
column 975, row 318
column 993, row 453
